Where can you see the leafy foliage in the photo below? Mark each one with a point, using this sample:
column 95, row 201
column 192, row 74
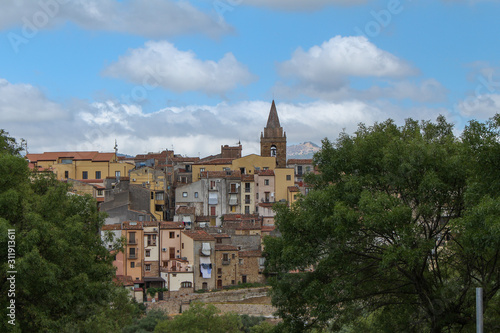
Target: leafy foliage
column 200, row 318
column 401, row 226
column 64, row 274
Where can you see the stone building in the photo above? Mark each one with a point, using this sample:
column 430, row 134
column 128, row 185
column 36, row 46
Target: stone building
column 273, row 139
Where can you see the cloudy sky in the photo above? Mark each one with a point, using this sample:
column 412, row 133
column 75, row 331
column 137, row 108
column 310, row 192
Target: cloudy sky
column 195, row 75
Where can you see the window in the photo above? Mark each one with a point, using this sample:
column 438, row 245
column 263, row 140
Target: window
column 265, row 168
column 247, row 210
column 186, row 284
column 257, row 195
column 131, row 252
column 212, row 185
column 171, row 234
column 288, row 177
column 184, row 194
column 182, row 246
column 152, row 195
column 204, row 286
column 233, row 209
column 148, row 253
column 212, row 211
column 99, row 192
column 225, row 256
column 147, row 268
column 219, row 240
column 131, row 238
column 196, row 194
column 159, row 208
column 66, row 174
column 98, row 175
column 202, row 169
column 159, row 196
column 247, row 199
column 308, row 168
column 266, row 181
column 117, row 174
column 132, row 264
column 247, row 187
column 243, row 279
column 85, row 175
column 151, row 240
column 66, row 161
column 233, row 188
column 234, row 255
column 266, row 196
column 299, row 170
column 219, row 271
column 273, row 151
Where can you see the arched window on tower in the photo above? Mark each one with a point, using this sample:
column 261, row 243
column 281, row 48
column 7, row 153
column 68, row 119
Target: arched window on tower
column 273, row 151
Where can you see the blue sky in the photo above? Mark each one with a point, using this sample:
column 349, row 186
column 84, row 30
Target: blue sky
column 195, row 75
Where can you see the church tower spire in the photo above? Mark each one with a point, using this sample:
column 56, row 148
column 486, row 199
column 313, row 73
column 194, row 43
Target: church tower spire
column 273, row 139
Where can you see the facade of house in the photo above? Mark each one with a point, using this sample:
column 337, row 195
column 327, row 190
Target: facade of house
column 80, row 165
column 199, row 249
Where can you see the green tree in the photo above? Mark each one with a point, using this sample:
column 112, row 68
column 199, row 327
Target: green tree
column 200, row 318
column 147, row 323
column 63, row 279
column 401, row 225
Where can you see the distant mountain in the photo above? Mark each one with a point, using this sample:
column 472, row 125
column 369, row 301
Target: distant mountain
column 302, row 150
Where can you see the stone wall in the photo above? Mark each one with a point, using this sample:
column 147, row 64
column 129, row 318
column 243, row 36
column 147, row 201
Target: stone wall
column 174, row 304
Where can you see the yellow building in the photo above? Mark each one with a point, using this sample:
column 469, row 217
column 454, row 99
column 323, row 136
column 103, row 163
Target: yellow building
column 248, row 165
column 155, row 181
column 80, row 165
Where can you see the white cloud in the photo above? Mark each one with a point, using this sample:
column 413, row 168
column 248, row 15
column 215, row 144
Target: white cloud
column 161, row 64
column 330, row 64
column 21, row 103
column 152, row 18
column 194, row 130
column 481, row 106
column 302, row 4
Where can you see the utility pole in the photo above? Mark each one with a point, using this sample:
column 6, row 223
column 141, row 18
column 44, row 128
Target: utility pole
column 479, row 310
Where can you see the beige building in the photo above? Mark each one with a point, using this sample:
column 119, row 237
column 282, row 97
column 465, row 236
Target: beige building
column 198, row 247
column 80, row 165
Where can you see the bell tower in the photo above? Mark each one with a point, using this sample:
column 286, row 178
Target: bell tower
column 273, row 139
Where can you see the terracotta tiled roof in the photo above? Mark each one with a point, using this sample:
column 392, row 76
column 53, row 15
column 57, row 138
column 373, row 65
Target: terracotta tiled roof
column 185, row 210
column 248, row 226
column 293, row 189
column 299, row 161
column 132, row 225
column 111, row 227
column 221, row 236
column 202, row 218
column 266, row 204
column 247, row 178
column 224, row 247
column 268, row 228
column 75, row 155
column 171, row 225
column 217, row 161
column 199, row 235
column 239, row 217
column 250, row 253
column 266, row 173
column 184, row 159
column 123, row 280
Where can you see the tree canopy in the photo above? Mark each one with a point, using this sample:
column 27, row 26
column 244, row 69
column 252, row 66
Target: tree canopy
column 63, row 273
column 402, row 223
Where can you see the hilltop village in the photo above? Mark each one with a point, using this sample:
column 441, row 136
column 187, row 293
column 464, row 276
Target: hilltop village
column 189, row 223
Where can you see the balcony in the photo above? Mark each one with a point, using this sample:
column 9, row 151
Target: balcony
column 226, row 262
column 132, row 256
column 247, row 190
column 132, row 241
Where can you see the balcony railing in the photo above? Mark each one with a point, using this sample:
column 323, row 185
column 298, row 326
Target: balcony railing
column 247, row 190
column 132, row 241
column 226, row 262
column 132, row 256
